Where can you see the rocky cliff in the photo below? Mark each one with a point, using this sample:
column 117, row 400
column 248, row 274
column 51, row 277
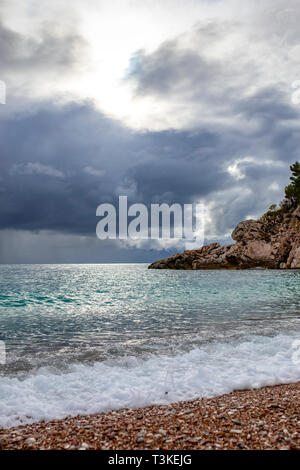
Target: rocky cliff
column 272, row 242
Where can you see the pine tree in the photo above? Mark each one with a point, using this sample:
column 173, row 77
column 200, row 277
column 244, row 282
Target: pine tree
column 292, row 191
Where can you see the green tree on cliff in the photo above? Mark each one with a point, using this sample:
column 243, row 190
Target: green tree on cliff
column 292, row 191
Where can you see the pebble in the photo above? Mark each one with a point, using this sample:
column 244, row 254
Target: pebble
column 30, row 441
column 203, row 424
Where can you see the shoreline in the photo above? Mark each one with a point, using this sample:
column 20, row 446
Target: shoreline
column 264, row 418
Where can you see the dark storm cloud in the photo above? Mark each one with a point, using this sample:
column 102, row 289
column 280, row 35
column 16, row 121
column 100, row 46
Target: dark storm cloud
column 227, row 96
column 267, row 104
column 170, row 70
column 59, row 163
column 43, row 166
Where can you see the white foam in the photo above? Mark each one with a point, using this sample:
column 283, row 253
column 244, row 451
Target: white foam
column 131, row 382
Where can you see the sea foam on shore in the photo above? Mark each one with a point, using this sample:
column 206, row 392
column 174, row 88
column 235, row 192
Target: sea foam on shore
column 267, row 418
column 207, row 371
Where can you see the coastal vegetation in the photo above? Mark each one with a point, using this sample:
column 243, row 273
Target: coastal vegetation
column 292, row 191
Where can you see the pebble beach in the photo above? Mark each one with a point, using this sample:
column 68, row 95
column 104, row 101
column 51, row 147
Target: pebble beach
column 266, row 418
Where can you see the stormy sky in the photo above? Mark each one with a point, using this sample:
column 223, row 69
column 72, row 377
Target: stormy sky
column 163, row 101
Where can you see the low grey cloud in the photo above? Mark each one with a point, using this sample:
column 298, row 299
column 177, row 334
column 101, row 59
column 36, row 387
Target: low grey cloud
column 220, row 71
column 31, row 65
column 51, row 49
column 93, row 171
column 35, row 169
column 171, row 70
column 189, row 67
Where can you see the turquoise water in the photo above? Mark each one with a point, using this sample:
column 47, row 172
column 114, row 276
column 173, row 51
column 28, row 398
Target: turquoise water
column 56, row 314
column 103, row 322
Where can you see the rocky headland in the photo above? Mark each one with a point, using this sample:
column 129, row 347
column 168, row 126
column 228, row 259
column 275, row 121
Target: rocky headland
column 272, row 242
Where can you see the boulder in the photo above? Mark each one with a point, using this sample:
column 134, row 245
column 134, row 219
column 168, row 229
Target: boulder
column 273, row 242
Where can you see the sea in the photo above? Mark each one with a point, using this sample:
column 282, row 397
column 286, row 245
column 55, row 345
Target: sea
column 84, row 339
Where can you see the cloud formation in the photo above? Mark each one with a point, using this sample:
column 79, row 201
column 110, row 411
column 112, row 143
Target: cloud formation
column 227, row 132
column 32, row 66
